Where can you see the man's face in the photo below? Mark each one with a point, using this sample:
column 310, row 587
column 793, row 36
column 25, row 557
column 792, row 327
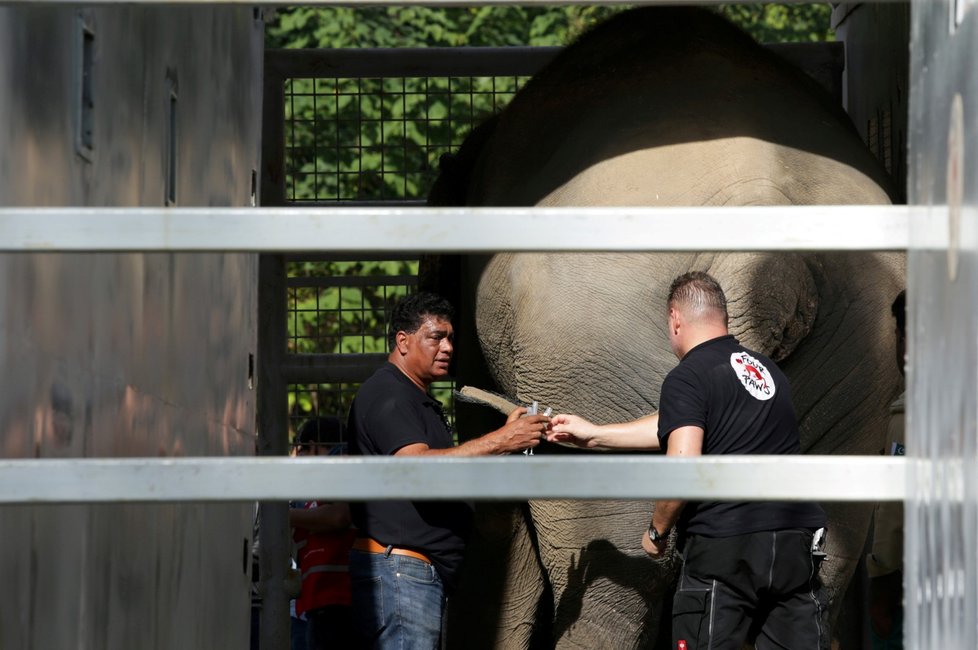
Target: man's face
column 429, row 350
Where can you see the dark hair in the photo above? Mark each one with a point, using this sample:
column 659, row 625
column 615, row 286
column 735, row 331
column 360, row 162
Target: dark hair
column 319, row 431
column 899, row 311
column 410, row 311
column 698, row 290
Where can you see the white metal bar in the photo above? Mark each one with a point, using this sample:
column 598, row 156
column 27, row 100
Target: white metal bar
column 600, row 476
column 464, row 230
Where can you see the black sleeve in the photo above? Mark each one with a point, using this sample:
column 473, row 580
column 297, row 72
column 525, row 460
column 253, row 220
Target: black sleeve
column 682, row 403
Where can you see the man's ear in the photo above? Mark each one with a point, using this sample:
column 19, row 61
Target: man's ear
column 401, row 342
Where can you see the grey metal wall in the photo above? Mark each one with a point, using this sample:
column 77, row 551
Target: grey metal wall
column 127, row 355
column 942, row 533
column 877, row 80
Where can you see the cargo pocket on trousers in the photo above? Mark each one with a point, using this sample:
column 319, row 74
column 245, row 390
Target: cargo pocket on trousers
column 691, row 619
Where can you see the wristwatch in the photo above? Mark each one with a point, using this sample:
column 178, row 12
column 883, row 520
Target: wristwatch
column 656, row 537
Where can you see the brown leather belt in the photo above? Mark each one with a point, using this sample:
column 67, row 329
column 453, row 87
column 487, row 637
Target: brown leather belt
column 369, row 545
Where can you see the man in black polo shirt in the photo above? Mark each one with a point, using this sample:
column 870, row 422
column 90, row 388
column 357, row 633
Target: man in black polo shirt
column 408, row 553
column 749, row 570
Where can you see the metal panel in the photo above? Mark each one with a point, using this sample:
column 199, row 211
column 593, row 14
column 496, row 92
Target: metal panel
column 942, row 510
column 877, row 64
column 127, row 354
column 467, row 230
column 823, row 478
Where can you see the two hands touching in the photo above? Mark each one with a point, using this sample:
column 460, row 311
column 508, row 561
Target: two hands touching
column 640, row 434
column 523, row 431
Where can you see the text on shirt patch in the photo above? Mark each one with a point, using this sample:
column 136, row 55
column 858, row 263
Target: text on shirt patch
column 753, row 375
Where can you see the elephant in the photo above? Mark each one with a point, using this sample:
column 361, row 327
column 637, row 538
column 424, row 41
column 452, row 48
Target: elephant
column 657, row 106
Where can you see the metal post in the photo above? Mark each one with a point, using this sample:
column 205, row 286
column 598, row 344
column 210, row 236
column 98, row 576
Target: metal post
column 274, row 546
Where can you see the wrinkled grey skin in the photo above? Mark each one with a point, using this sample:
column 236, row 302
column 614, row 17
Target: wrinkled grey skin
column 657, row 107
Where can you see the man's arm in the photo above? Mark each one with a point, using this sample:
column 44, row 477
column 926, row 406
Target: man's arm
column 684, row 442
column 642, row 433
column 517, row 434
column 325, row 518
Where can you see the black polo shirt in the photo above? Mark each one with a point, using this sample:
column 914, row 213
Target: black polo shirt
column 742, row 401
column 388, row 413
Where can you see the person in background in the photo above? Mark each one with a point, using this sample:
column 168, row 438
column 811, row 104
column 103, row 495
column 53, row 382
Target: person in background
column 885, row 563
column 323, row 535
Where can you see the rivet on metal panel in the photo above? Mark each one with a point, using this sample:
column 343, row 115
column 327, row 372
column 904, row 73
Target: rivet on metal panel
column 955, row 184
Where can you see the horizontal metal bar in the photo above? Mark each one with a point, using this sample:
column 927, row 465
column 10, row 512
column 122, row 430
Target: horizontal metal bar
column 329, row 281
column 817, row 59
column 393, row 203
column 408, row 62
column 464, row 230
column 349, row 257
column 821, row 478
column 330, row 368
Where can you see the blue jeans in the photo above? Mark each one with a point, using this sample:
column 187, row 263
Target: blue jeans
column 398, row 602
column 298, row 634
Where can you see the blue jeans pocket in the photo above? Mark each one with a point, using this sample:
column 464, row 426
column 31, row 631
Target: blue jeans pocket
column 415, row 570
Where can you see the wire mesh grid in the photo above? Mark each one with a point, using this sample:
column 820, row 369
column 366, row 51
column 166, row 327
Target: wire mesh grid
column 380, row 139
column 342, row 306
column 367, row 139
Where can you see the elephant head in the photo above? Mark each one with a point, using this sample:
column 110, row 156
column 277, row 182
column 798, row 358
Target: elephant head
column 660, row 107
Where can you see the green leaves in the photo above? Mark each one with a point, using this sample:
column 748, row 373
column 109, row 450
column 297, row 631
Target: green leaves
column 771, row 23
column 499, row 26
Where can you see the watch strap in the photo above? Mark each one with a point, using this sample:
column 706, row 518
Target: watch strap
column 656, row 536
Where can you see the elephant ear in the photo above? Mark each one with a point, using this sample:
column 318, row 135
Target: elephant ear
column 772, row 300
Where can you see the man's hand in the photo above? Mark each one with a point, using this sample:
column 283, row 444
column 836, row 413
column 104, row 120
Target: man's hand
column 516, row 414
column 573, row 429
column 655, row 550
column 520, row 432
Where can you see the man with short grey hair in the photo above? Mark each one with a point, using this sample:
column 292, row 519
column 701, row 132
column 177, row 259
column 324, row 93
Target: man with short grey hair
column 750, row 569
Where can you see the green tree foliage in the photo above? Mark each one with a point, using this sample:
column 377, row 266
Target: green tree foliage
column 431, row 27
column 773, row 23
column 367, row 27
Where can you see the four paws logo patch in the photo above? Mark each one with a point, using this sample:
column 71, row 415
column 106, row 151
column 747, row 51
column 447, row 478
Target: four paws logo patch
column 753, row 375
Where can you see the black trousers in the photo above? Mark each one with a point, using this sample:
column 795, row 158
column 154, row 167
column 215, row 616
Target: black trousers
column 760, row 587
